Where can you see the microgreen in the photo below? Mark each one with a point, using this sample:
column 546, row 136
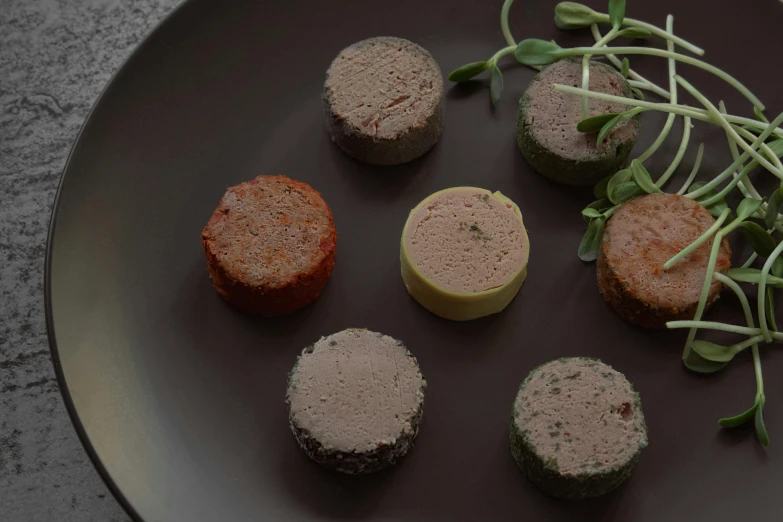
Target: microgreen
column 634, row 32
column 625, row 68
column 592, row 213
column 591, row 242
column 572, row 15
column 714, row 352
column 760, row 240
column 643, row 178
column 467, row 72
column 595, row 123
column 496, row 84
column 616, row 12
column 534, row 51
column 774, row 206
column 753, row 275
column 769, row 307
column 694, row 362
column 739, row 420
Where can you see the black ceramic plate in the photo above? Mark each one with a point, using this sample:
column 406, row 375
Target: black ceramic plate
column 179, row 400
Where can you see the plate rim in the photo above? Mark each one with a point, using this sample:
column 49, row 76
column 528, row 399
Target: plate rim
column 51, row 336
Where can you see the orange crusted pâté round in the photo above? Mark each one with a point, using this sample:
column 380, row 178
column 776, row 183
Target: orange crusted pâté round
column 640, row 237
column 270, row 245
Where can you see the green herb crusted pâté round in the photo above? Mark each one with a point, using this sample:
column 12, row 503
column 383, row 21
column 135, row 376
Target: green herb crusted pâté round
column 547, row 120
column 577, row 428
column 355, row 401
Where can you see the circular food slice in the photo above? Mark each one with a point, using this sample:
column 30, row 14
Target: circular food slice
column 464, row 253
column 547, row 119
column 383, row 100
column 355, row 401
column 640, row 237
column 577, row 428
column 270, row 245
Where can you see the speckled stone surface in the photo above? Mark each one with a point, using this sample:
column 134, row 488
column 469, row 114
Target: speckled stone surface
column 55, row 57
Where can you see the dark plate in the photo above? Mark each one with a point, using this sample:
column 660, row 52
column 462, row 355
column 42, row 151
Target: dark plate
column 179, row 400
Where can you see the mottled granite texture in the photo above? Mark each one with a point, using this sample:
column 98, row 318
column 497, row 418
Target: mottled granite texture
column 55, row 57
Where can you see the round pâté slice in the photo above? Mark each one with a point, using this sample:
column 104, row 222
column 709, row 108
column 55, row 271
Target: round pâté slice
column 270, row 245
column 355, row 401
column 547, row 120
column 464, row 253
column 384, row 101
column 640, row 237
column 577, row 428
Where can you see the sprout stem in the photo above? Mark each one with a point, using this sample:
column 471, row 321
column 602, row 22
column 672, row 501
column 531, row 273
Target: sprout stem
column 751, row 258
column 657, row 31
column 763, row 147
column 579, row 51
column 640, row 81
column 721, row 120
column 738, row 161
column 740, row 295
column 762, row 291
column 686, row 136
column 698, row 242
column 585, row 102
column 694, row 172
column 705, row 291
column 712, row 325
column 501, row 53
column 682, row 110
column 672, row 97
column 504, row 23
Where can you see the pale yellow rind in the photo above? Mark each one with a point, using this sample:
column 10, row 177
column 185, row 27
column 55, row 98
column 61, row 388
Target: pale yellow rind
column 460, row 306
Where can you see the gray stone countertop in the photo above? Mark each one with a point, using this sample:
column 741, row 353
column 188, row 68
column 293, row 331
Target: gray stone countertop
column 55, row 58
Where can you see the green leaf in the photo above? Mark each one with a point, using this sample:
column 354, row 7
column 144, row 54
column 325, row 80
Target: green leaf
column 769, row 306
column 634, row 32
column 695, row 362
column 753, row 276
column 607, row 128
column 761, row 430
column 625, row 67
column 600, row 204
column 639, row 94
column 774, row 206
column 599, row 191
column 759, row 115
column 763, row 243
column 642, row 178
column 748, row 207
column 466, row 72
column 591, row 242
column 591, row 213
column 738, row 420
column 777, row 267
column 717, row 208
column 714, row 352
column 620, row 177
column 534, row 51
column 595, row 123
column 496, row 85
column 616, row 12
column 699, row 184
column 625, row 191
column 571, row 15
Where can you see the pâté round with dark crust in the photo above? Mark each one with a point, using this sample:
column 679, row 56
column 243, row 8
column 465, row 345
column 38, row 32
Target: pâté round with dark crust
column 547, row 120
column 577, row 428
column 384, row 101
column 355, row 401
